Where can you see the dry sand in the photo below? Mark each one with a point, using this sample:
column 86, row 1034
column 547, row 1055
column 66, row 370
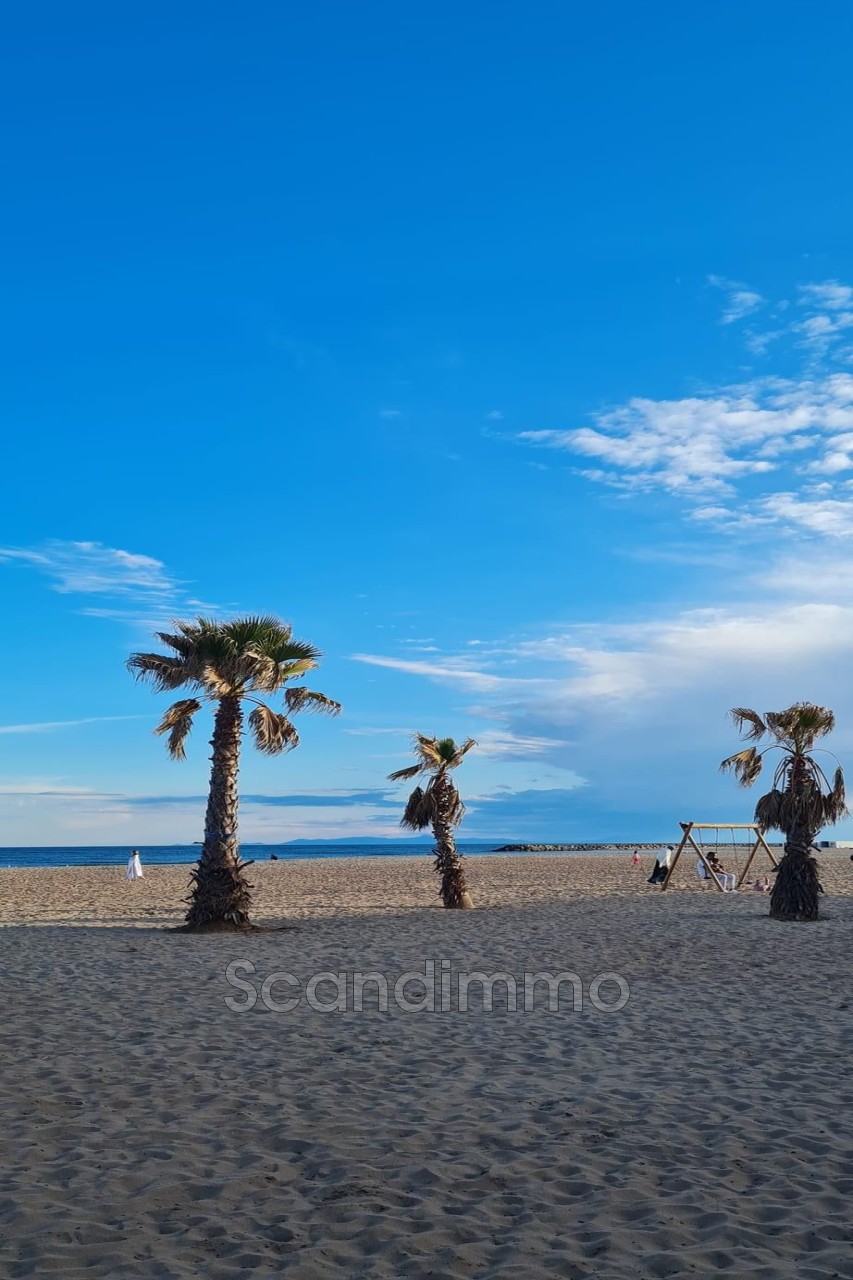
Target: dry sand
column 703, row 1131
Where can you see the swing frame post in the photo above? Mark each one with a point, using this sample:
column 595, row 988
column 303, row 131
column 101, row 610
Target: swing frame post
column 687, row 839
column 760, row 843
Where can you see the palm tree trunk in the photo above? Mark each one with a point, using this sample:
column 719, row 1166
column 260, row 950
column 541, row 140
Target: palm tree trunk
column 221, row 896
column 448, row 861
column 795, row 893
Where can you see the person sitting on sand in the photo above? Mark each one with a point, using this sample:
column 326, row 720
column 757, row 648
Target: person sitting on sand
column 762, row 885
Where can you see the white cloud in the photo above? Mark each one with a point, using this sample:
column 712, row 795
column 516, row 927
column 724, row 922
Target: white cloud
column 46, row 812
column 652, row 659
column 828, row 516
column 706, row 443
column 711, row 442
column 824, row 517
column 390, row 414
column 758, row 342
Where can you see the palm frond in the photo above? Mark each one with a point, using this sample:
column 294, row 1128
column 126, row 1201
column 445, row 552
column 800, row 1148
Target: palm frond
column 419, row 811
column 301, row 699
column 220, row 683
column 177, row 722
column 801, row 725
column 273, row 732
column 455, row 809
column 266, row 675
column 403, row 775
column 835, row 802
column 745, row 765
column 162, row 671
column 749, row 724
column 838, row 785
column 440, row 753
column 771, row 811
column 182, row 643
column 259, row 631
column 427, row 749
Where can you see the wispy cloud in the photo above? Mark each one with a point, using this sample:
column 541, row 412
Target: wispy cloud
column 136, row 589
column 741, row 301
column 44, row 787
column 90, row 568
column 455, row 671
column 827, row 517
column 829, row 295
column 503, row 744
column 369, row 732
column 51, row 726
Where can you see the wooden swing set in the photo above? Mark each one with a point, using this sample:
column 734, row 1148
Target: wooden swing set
column 687, row 839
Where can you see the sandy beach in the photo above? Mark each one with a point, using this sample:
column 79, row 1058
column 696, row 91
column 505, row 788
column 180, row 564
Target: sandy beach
column 701, row 1131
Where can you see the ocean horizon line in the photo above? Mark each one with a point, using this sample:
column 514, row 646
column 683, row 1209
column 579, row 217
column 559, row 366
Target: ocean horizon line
column 35, row 856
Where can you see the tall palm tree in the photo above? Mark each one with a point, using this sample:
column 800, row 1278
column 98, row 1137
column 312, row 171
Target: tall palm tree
column 225, row 664
column 800, row 802
column 439, row 806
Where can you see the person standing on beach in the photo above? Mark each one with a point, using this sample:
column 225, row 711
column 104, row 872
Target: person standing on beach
column 635, row 858
column 662, row 865
column 134, row 866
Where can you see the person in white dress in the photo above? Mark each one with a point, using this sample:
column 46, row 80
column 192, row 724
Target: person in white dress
column 134, row 866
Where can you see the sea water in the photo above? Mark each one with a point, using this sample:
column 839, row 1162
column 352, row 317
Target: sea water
column 117, row 855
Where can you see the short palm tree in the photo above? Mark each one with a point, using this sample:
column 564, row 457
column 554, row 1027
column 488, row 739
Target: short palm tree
column 225, row 664
column 439, row 805
column 801, row 801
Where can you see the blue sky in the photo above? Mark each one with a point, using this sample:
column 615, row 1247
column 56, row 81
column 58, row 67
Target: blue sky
column 506, row 350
